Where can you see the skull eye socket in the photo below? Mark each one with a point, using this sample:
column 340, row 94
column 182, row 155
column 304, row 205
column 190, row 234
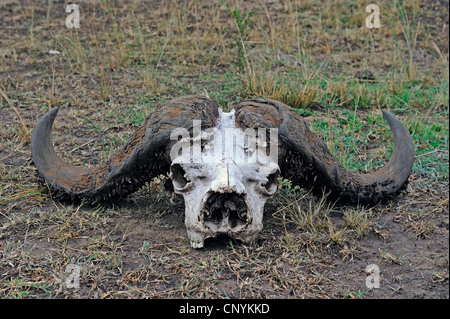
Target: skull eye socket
column 272, row 182
column 178, row 176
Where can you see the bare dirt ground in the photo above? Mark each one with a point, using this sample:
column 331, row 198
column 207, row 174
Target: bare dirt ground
column 129, row 57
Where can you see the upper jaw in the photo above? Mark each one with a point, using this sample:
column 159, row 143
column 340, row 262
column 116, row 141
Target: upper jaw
column 223, row 213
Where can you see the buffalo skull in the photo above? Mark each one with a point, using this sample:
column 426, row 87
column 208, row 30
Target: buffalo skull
column 226, row 165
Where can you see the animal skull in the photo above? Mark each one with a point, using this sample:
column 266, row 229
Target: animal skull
column 226, row 185
column 225, row 165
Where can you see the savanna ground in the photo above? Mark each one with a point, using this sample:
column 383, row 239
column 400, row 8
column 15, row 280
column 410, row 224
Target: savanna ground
column 128, row 57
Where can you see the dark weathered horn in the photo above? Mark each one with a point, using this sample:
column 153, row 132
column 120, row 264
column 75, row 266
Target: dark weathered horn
column 306, row 161
column 144, row 156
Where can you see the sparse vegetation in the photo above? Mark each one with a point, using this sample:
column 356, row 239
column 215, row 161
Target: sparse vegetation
column 318, row 57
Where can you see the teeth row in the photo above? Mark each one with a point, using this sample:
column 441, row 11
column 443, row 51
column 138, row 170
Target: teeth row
column 241, row 214
column 197, row 244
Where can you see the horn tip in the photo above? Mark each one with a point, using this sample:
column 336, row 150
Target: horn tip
column 386, row 113
column 53, row 111
column 390, row 118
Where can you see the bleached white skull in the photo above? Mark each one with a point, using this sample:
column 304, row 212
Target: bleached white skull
column 225, row 175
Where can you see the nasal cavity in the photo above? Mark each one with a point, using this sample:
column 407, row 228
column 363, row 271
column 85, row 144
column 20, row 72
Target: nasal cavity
column 224, row 211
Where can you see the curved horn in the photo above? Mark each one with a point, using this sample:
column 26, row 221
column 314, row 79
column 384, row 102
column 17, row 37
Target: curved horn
column 306, row 161
column 144, row 156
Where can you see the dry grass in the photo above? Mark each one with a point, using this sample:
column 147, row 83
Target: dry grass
column 267, row 85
